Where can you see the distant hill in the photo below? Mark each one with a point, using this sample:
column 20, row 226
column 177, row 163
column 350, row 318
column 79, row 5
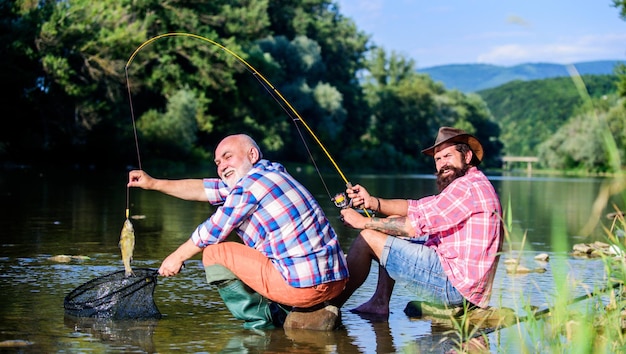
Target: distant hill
column 476, row 77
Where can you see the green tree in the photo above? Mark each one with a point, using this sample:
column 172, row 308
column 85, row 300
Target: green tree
column 26, row 125
column 82, row 46
column 306, row 49
column 172, row 134
column 342, row 47
column 578, row 144
column 299, row 73
column 400, row 101
column 470, row 113
column 620, row 69
column 529, row 112
column 172, row 63
column 407, row 111
column 77, row 74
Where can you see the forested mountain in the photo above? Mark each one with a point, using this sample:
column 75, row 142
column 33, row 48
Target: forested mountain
column 530, row 112
column 476, row 77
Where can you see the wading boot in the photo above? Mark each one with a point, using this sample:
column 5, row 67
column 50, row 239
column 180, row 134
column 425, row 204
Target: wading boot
column 243, row 302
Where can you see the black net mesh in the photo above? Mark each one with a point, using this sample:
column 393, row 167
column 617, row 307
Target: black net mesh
column 116, row 296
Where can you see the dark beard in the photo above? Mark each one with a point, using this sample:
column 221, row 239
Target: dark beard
column 443, row 182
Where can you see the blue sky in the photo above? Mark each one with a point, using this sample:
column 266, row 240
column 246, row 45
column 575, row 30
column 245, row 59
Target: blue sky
column 500, row 32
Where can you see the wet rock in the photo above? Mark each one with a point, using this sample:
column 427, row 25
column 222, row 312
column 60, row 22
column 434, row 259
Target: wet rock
column 15, row 343
column 323, row 319
column 478, row 317
column 64, row 258
column 418, row 309
column 595, row 250
column 513, row 266
column 61, row 258
column 520, row 269
column 615, row 250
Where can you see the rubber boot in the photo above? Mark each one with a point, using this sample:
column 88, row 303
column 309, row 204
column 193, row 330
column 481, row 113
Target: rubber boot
column 246, row 304
column 243, row 302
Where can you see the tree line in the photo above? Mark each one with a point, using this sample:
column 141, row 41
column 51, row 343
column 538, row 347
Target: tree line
column 69, row 87
column 551, row 119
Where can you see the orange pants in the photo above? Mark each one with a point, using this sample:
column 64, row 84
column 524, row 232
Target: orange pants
column 258, row 272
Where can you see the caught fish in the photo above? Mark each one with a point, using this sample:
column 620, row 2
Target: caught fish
column 127, row 245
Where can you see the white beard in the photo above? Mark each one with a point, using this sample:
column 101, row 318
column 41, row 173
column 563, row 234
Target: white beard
column 238, row 174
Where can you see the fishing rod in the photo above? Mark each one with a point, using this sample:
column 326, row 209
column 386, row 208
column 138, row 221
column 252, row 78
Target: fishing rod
column 340, row 198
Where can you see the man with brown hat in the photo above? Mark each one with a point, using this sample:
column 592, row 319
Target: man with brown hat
column 443, row 247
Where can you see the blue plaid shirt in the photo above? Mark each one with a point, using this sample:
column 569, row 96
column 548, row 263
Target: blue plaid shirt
column 274, row 214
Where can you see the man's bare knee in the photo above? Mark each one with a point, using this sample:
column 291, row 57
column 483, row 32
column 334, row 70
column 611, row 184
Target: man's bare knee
column 370, row 241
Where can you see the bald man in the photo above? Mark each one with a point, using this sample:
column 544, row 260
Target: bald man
column 289, row 256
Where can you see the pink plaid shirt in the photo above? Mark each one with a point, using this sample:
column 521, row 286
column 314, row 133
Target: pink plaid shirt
column 464, row 225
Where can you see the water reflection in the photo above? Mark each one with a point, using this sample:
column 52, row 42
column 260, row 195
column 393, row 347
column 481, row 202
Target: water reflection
column 126, row 335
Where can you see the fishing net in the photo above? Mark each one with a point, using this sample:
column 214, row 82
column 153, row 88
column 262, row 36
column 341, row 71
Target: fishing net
column 116, row 296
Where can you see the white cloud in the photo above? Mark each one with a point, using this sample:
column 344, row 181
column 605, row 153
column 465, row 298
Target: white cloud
column 562, row 51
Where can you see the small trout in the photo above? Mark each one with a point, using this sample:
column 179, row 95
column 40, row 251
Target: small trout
column 127, row 245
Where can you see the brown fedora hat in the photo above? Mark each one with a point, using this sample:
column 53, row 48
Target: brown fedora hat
column 453, row 135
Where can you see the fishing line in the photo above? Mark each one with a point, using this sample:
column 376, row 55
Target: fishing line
column 306, row 146
column 295, row 120
column 274, row 93
column 132, row 116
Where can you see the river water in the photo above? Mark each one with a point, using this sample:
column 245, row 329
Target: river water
column 80, row 214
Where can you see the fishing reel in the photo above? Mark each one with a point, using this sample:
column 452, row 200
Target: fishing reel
column 341, row 201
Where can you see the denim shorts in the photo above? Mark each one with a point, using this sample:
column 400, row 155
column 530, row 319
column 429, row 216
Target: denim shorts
column 418, row 268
